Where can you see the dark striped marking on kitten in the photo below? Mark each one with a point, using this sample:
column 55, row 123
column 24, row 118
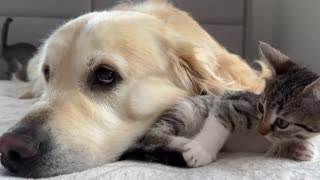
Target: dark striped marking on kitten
column 198, row 127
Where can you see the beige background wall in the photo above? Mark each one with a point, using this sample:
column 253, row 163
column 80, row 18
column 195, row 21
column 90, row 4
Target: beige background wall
column 293, row 26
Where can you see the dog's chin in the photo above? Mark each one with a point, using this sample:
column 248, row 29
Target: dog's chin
column 32, row 170
column 46, row 165
column 38, row 171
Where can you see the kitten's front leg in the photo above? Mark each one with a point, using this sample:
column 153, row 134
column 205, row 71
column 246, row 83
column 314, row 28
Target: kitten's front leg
column 205, row 146
column 303, row 150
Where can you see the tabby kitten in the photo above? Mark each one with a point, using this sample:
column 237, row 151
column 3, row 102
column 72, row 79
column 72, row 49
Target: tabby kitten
column 16, row 55
column 198, row 127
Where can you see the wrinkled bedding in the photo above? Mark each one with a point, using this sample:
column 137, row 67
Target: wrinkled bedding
column 228, row 166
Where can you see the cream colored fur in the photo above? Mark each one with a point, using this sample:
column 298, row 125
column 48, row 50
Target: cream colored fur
column 160, row 52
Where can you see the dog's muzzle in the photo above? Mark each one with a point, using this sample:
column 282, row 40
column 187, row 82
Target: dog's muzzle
column 18, row 148
column 22, row 145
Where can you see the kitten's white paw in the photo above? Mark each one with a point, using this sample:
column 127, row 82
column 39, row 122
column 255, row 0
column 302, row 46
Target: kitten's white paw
column 195, row 155
column 304, row 151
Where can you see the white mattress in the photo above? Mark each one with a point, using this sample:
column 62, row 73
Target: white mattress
column 229, row 166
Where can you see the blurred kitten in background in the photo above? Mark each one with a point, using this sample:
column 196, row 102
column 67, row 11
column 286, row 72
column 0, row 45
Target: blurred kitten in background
column 16, row 55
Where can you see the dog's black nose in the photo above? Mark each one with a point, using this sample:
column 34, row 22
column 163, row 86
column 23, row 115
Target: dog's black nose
column 19, row 144
column 15, row 148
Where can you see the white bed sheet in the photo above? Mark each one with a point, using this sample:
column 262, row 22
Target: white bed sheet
column 228, row 166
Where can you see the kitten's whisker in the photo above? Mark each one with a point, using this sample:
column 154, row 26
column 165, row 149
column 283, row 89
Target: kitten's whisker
column 279, row 151
column 271, row 150
column 277, row 145
column 276, row 150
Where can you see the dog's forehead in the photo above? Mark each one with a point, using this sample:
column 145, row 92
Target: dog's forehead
column 99, row 28
column 135, row 37
column 63, row 39
column 108, row 17
column 118, row 38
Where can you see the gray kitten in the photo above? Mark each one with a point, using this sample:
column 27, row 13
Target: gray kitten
column 16, row 55
column 198, row 128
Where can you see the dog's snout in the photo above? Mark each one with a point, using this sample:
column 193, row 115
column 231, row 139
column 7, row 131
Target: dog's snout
column 23, row 145
column 15, row 148
column 18, row 145
column 26, row 142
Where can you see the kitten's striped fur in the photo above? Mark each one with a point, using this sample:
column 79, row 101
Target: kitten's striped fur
column 288, row 112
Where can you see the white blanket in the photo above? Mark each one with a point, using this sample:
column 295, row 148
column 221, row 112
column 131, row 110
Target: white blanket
column 228, row 166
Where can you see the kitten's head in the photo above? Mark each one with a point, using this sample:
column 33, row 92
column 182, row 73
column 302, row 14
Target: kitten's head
column 290, row 103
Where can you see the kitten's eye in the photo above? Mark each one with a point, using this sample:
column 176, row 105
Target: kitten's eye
column 260, row 108
column 105, row 75
column 281, row 124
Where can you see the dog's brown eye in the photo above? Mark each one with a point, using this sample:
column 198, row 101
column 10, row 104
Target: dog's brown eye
column 46, row 73
column 260, row 108
column 281, row 124
column 105, row 75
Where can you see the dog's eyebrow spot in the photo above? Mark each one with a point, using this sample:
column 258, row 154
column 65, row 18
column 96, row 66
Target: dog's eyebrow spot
column 91, row 62
column 46, row 72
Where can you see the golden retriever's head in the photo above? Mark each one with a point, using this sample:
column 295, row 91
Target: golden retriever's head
column 108, row 75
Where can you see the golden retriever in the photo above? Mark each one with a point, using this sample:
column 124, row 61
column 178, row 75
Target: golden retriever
column 105, row 77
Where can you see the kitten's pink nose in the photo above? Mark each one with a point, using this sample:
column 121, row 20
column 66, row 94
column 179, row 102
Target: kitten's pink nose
column 21, row 144
column 264, row 128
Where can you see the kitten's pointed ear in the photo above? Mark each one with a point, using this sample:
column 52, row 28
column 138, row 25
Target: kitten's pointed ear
column 313, row 89
column 277, row 60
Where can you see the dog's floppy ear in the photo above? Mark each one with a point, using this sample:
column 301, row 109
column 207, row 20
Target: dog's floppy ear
column 194, row 67
column 211, row 69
